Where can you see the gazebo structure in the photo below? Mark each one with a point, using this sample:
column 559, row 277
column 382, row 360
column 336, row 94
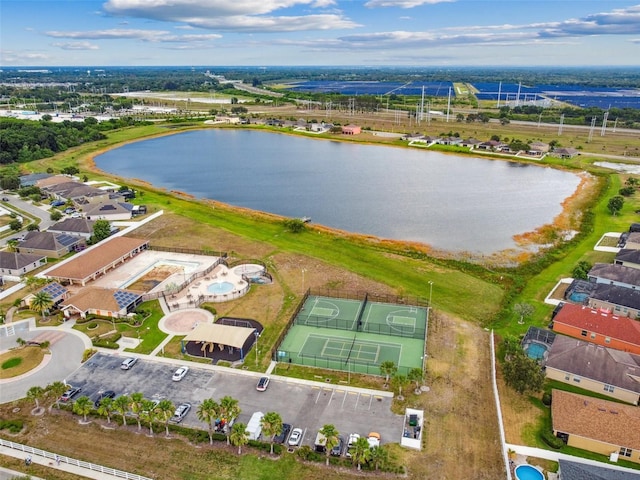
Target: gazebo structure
column 219, row 342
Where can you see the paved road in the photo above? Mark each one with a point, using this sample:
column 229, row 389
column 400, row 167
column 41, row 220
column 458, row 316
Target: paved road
column 41, row 212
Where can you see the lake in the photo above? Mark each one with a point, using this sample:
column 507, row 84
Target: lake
column 456, row 203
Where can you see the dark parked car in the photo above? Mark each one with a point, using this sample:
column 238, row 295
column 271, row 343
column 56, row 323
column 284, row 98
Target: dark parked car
column 103, row 395
column 286, row 428
column 58, row 203
column 336, row 451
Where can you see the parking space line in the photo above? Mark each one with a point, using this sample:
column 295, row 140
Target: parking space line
column 318, row 396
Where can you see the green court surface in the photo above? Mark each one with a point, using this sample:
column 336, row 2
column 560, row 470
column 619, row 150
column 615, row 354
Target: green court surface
column 355, row 336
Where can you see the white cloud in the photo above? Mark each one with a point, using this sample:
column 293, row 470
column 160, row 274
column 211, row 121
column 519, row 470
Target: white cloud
column 622, row 21
column 75, row 45
column 242, row 15
column 403, row 3
column 12, row 57
column 142, row 35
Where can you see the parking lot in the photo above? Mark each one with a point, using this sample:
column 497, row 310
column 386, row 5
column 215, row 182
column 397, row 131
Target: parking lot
column 307, row 406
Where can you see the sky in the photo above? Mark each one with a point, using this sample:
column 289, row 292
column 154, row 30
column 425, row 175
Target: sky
column 319, row 32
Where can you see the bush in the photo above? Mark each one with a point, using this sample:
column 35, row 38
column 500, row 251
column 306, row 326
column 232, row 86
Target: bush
column 209, row 308
column 87, row 354
column 550, row 439
column 546, row 399
column 14, row 426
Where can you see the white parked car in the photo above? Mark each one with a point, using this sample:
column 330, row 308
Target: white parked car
column 179, row 374
column 295, row 437
column 353, row 438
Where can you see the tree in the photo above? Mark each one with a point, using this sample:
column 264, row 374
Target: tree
column 331, row 438
column 208, row 412
column 32, row 227
column 106, row 408
column 101, row 230
column 83, row 406
column 295, row 225
column 229, row 411
column 524, row 310
column 581, row 270
column 121, row 405
column 165, row 410
column 379, row 456
column 614, row 206
column 56, row 389
column 55, row 215
column 136, row 406
column 271, row 426
column 415, row 375
column 15, row 225
column 149, row 413
column 36, row 393
column 41, row 302
column 239, row 436
column 13, row 245
column 399, row 380
column 388, row 368
column 360, row 452
column 522, row 373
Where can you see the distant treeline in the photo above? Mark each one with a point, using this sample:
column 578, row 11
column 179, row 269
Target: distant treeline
column 26, row 140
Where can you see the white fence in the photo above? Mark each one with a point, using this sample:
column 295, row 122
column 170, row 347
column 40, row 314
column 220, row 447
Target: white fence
column 71, row 461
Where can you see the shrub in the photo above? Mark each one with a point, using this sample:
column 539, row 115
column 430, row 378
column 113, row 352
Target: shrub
column 550, row 439
column 87, row 354
column 209, row 308
column 14, row 426
column 546, row 399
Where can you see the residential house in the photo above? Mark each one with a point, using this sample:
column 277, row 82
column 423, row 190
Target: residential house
column 77, row 192
column 94, row 262
column 17, row 264
column 49, row 244
column 492, row 145
column 615, row 275
column 628, row 257
column 621, row 301
column 32, row 179
column 108, row 210
column 538, row 149
column 599, row 426
column 470, row 142
column 80, row 227
column 101, row 301
column 569, row 470
column 595, row 368
column 450, row 141
column 596, row 326
column 351, row 130
column 565, row 152
column 633, row 241
column 57, row 293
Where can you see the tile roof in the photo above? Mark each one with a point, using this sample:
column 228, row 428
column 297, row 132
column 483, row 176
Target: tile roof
column 600, row 420
column 70, row 225
column 623, row 296
column 83, row 265
column 607, row 324
column 583, row 471
column 15, row 260
column 615, row 273
column 101, row 299
column 606, row 365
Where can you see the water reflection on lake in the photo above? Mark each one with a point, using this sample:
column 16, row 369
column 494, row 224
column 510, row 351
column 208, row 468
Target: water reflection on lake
column 450, row 202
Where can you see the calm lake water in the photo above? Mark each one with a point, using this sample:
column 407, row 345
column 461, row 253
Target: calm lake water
column 449, row 202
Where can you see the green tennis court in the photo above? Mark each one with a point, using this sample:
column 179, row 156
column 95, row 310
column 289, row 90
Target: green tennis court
column 345, row 349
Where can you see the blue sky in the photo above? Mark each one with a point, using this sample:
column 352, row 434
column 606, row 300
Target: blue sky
column 319, row 32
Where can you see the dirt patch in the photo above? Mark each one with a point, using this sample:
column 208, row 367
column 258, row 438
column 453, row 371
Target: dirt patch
column 184, row 321
column 154, row 277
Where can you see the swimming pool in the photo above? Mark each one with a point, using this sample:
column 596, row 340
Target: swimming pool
column 527, row 472
column 220, row 288
column 535, row 350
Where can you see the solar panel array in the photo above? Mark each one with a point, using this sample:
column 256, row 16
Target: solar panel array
column 124, row 298
column 54, row 289
column 66, row 240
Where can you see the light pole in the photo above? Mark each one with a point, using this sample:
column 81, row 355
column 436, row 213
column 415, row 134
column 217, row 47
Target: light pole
column 303, row 270
column 430, row 292
column 257, row 334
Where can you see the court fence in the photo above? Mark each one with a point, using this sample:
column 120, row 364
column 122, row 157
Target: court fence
column 352, row 365
column 370, row 327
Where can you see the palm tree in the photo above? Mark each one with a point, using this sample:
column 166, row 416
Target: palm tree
column 41, row 302
column 83, row 406
column 415, row 375
column 378, row 455
column 57, row 389
column 229, row 411
column 271, row 425
column 165, row 411
column 398, row 381
column 360, row 451
column 148, row 413
column 136, row 406
column 13, row 245
column 239, row 436
column 36, row 393
column 121, row 405
column 106, row 408
column 331, row 438
column 388, row 368
column 208, row 412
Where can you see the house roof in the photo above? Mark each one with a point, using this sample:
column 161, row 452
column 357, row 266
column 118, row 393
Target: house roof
column 32, row 178
column 52, row 180
column 220, row 334
column 633, row 237
column 623, row 296
column 583, row 471
column 85, row 264
column 73, row 225
column 600, row 420
column 630, row 255
column 605, row 365
column 15, row 260
column 73, row 190
column 105, row 208
column 50, row 241
column 615, row 273
column 603, row 323
column 101, row 299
